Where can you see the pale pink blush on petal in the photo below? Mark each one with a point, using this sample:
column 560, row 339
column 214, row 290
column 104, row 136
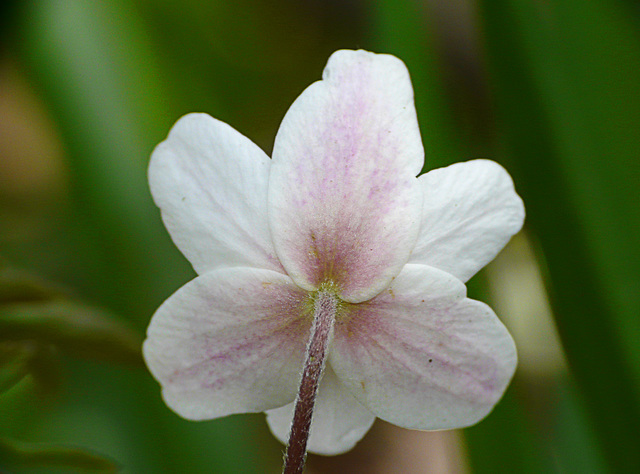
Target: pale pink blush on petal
column 344, row 204
column 210, row 182
column 470, row 212
column 339, row 420
column 423, row 363
column 230, row 341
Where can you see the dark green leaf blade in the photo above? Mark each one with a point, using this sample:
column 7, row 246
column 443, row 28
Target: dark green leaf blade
column 550, row 63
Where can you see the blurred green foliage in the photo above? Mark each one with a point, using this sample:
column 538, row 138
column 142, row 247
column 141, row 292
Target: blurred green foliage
column 550, row 89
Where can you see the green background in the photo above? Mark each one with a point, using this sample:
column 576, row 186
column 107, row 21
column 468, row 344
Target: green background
column 550, row 89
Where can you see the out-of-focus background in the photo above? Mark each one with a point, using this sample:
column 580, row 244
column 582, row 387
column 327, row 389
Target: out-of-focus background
column 550, row 89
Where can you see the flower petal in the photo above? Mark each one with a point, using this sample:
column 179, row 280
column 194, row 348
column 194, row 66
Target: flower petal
column 424, row 360
column 343, row 201
column 339, row 420
column 470, row 212
column 211, row 184
column 230, row 341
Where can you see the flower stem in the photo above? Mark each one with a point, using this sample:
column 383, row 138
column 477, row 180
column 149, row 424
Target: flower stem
column 321, row 333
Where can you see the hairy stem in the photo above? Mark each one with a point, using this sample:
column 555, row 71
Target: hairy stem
column 321, row 332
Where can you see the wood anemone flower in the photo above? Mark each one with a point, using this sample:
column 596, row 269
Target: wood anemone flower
column 331, row 264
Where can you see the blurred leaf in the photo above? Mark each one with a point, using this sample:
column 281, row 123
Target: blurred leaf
column 506, row 442
column 574, row 444
column 39, row 360
column 46, row 370
column 403, row 28
column 97, row 69
column 14, row 363
column 26, row 455
column 19, row 285
column 76, row 328
column 565, row 80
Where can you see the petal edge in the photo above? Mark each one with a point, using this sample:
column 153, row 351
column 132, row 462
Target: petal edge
column 210, row 183
column 344, row 203
column 339, row 420
column 424, row 366
column 230, row 341
column 470, row 212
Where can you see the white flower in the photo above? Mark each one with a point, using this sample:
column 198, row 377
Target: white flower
column 338, row 208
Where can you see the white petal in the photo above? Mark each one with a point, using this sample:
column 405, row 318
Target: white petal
column 210, row 183
column 230, row 341
column 339, row 420
column 470, row 212
column 422, row 360
column 344, row 203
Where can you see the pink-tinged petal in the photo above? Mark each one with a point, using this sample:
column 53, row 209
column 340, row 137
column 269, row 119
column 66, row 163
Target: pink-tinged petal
column 339, row 420
column 470, row 212
column 424, row 362
column 210, row 183
column 343, row 201
column 230, row 341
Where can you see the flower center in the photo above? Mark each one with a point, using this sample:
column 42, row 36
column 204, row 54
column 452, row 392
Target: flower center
column 328, row 291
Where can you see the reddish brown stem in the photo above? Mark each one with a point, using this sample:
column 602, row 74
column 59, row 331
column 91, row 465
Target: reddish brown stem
column 321, row 331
